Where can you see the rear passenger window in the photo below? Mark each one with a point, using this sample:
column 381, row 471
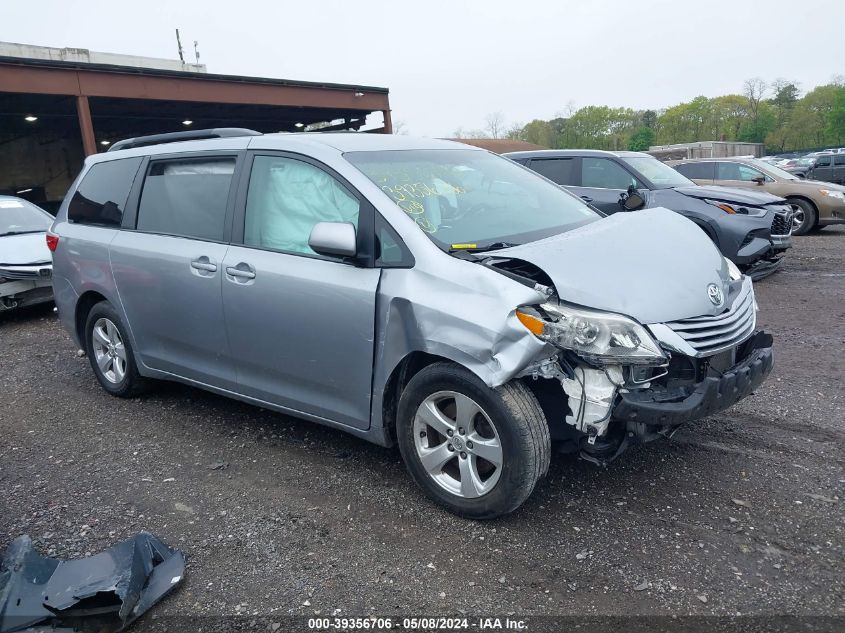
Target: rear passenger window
column 697, row 171
column 187, row 198
column 102, row 194
column 839, row 159
column 559, row 170
column 286, row 198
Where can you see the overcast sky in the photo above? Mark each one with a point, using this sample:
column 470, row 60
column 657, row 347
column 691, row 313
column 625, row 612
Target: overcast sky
column 448, row 63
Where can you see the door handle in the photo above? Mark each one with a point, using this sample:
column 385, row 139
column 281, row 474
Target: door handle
column 203, row 263
column 586, row 198
column 238, row 272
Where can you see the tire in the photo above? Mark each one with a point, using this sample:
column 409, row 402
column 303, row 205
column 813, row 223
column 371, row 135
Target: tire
column 509, row 426
column 811, row 216
column 110, row 352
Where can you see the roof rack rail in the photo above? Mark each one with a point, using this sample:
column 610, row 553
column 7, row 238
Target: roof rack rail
column 187, row 135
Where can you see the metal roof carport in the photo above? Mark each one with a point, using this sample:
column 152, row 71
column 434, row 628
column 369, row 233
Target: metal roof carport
column 53, row 113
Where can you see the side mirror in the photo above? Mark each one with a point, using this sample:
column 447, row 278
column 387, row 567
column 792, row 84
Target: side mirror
column 335, row 239
column 759, row 179
column 631, row 200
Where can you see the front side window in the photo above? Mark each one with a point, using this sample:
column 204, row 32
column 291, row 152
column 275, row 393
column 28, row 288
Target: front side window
column 472, row 199
column 736, row 171
column 186, row 198
column 20, row 216
column 823, row 161
column 286, row 198
column 559, row 170
column 603, row 173
column 101, row 196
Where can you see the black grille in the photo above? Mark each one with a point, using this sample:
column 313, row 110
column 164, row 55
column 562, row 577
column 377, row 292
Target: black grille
column 780, row 225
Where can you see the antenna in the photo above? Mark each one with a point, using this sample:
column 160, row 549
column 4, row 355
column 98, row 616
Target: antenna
column 196, row 52
column 179, row 44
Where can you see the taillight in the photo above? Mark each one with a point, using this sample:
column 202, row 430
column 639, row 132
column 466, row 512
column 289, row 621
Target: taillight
column 52, row 241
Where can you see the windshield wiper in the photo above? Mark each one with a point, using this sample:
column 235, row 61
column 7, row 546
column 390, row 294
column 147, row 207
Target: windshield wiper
column 493, row 246
column 22, row 232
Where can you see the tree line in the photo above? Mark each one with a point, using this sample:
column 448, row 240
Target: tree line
column 772, row 113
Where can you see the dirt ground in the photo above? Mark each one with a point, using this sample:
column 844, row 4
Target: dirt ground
column 741, row 513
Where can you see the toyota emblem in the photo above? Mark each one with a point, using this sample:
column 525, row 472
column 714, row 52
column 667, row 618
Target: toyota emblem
column 715, row 294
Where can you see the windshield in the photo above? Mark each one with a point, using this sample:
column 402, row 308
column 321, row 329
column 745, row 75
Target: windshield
column 773, row 170
column 472, row 199
column 20, row 216
column 659, row 174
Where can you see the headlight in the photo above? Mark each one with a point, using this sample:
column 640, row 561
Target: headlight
column 833, row 194
column 754, row 212
column 734, row 272
column 598, row 337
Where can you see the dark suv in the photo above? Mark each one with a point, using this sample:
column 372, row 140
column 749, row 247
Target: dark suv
column 751, row 229
column 829, row 168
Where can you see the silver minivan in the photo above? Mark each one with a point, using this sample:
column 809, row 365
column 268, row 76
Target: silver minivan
column 408, row 291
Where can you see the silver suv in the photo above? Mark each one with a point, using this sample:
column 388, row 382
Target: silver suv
column 408, row 291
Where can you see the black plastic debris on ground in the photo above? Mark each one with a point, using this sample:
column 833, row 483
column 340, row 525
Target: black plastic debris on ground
column 103, row 593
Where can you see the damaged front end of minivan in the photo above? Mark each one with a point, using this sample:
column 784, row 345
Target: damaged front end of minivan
column 648, row 361
column 626, row 383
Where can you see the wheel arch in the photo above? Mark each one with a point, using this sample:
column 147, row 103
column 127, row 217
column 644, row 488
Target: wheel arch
column 807, row 200
column 86, row 301
column 708, row 230
column 410, row 365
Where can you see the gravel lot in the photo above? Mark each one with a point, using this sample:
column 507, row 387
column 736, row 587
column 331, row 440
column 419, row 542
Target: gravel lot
column 740, row 513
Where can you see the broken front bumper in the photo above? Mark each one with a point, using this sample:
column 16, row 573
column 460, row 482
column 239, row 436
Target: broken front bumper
column 711, row 395
column 25, row 285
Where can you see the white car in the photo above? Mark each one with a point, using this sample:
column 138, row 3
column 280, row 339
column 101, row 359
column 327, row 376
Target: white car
column 26, row 265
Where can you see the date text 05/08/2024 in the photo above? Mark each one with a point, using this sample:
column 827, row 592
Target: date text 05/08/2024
column 419, row 624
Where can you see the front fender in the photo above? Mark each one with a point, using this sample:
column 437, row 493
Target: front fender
column 465, row 314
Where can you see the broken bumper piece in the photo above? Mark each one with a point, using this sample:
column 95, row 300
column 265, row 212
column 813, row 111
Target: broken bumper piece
column 105, row 592
column 710, row 396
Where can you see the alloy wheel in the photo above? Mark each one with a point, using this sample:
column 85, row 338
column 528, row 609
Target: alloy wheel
column 797, row 218
column 458, row 444
column 109, row 350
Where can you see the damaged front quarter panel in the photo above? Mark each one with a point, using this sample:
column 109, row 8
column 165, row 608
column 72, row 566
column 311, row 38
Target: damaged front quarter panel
column 461, row 317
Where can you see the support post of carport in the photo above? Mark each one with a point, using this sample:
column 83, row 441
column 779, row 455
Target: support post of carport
column 86, row 125
column 388, row 122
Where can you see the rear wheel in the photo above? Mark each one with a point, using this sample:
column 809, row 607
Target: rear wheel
column 805, row 217
column 478, row 451
column 110, row 352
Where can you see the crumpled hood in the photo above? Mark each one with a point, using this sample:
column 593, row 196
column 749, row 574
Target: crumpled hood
column 23, row 250
column 728, row 194
column 653, row 265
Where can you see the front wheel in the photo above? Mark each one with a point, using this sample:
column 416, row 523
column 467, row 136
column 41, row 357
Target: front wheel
column 805, row 217
column 477, row 451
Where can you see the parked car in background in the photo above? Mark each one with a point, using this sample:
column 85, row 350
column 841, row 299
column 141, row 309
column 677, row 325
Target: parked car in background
column 818, row 204
column 798, row 166
column 751, row 229
column 25, row 263
column 828, row 168
column 408, row 291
